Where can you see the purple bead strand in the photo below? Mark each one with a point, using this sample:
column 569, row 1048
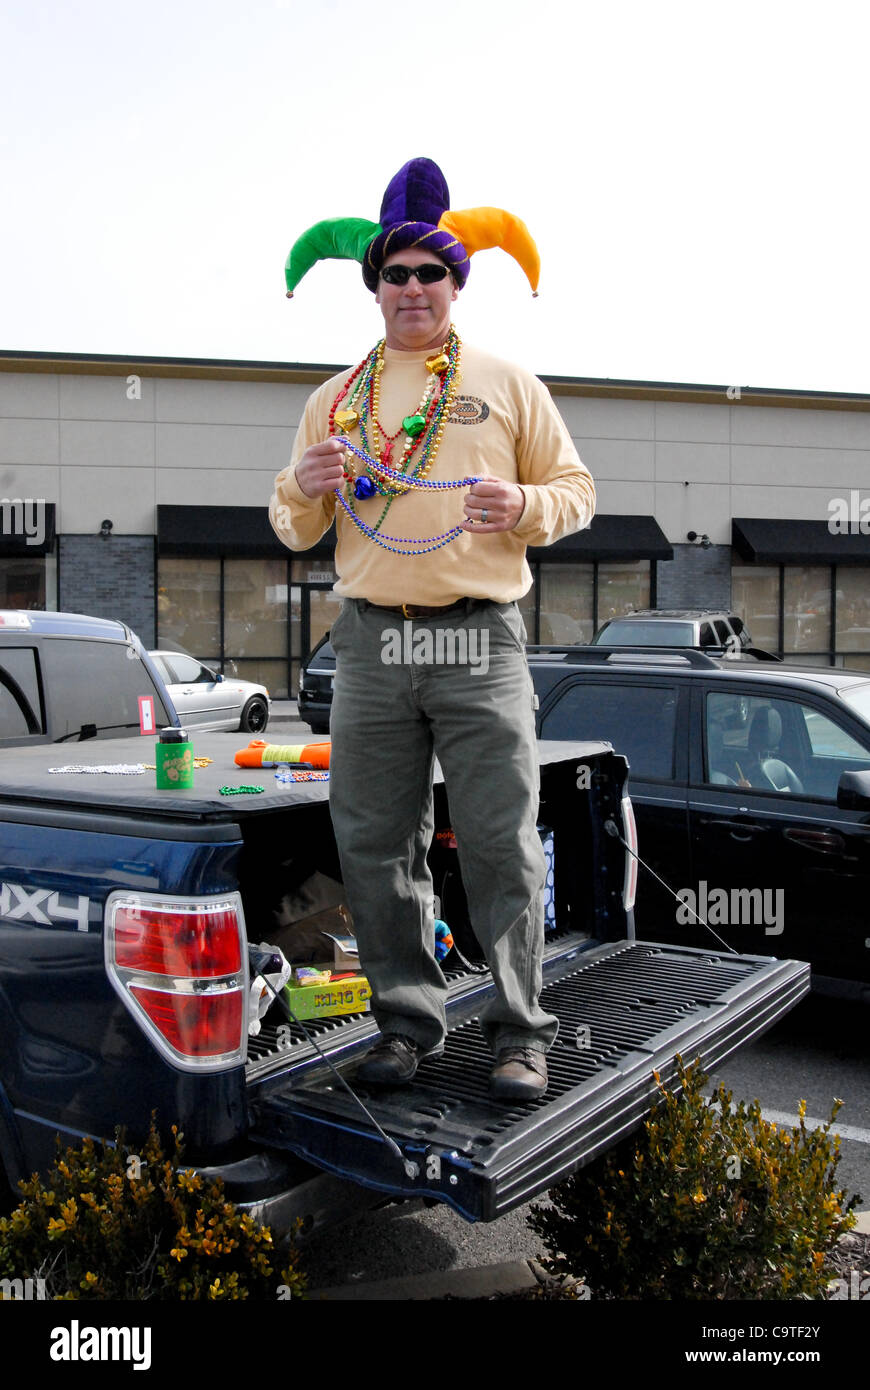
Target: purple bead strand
column 407, row 478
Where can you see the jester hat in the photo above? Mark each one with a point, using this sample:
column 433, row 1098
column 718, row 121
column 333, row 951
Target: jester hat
column 415, row 212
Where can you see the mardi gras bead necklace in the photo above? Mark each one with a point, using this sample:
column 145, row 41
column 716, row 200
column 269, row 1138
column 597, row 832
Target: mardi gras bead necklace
column 423, row 429
column 422, row 544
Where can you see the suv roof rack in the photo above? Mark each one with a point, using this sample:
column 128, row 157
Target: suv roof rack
column 706, row 657
column 637, row 656
column 646, row 656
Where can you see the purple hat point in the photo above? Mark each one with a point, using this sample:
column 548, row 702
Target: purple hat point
column 417, row 193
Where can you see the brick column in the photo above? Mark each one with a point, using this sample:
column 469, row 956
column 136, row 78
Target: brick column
column 111, row 578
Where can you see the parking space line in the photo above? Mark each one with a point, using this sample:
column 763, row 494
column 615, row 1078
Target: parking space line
column 779, row 1117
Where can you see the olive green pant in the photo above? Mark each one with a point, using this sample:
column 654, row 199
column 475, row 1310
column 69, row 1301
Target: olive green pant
column 402, row 698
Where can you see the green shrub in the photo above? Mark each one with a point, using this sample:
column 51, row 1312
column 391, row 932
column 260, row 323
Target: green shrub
column 111, row 1223
column 711, row 1202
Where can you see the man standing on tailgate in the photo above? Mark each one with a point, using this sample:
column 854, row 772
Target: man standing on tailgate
column 440, row 464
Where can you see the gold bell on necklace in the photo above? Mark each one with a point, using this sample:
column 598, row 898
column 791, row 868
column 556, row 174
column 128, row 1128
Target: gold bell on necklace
column 345, row 420
column 438, row 364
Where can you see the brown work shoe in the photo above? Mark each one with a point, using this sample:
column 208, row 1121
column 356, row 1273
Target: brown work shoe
column 520, row 1073
column 394, row 1060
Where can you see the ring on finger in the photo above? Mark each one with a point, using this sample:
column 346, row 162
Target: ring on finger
column 483, row 515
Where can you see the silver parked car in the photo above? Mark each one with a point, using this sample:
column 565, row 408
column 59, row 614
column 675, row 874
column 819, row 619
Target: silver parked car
column 205, row 699
column 676, row 627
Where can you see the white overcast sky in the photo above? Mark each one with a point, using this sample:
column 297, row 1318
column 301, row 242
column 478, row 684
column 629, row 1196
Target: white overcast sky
column 695, row 175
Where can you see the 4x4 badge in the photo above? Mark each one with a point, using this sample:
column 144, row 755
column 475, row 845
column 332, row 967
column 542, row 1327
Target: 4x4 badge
column 42, row 906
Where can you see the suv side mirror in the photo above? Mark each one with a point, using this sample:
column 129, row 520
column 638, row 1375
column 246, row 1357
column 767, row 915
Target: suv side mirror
column 853, row 791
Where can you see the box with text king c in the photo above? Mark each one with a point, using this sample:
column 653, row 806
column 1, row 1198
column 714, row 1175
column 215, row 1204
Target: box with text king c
column 348, row 996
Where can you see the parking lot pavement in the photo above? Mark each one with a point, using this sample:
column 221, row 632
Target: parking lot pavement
column 514, row 1277
column 284, row 716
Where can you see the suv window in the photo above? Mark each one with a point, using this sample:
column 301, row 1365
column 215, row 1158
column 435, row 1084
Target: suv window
column 645, row 634
column 774, row 745
column 740, row 630
column 639, row 720
column 828, row 740
column 20, row 708
column 96, row 683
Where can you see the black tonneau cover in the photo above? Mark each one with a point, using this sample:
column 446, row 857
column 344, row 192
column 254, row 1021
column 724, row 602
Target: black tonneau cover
column 25, row 777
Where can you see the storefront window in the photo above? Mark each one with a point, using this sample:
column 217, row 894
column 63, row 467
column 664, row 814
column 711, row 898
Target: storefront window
column 247, row 599
column 853, row 611
column 255, row 616
column 28, row 583
column 810, row 600
column 567, row 614
column 755, row 596
column 622, row 588
column 807, row 609
column 189, row 607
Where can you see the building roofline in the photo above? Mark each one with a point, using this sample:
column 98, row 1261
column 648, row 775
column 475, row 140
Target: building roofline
column 313, row 373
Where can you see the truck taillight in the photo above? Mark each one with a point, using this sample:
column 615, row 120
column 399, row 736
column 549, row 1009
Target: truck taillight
column 629, row 832
column 202, row 941
column 180, row 966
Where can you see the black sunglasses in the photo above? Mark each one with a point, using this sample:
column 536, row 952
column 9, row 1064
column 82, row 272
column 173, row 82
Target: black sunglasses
column 427, row 274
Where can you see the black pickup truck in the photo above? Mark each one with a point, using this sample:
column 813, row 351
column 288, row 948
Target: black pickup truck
column 127, row 915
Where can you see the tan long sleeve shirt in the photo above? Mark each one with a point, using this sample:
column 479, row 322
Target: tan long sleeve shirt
column 503, row 424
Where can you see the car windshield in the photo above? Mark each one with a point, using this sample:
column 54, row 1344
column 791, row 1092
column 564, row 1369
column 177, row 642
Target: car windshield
column 858, row 696
column 639, row 634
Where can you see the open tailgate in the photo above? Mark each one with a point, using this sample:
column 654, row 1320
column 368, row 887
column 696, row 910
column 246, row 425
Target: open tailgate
column 624, row 1008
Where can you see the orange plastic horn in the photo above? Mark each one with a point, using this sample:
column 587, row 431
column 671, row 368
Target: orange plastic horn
column 259, row 753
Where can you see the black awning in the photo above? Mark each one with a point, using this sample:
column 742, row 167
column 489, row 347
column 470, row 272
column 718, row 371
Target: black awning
column 234, row 531
column 26, row 527
column 609, row 538
column 246, row 531
column 767, row 542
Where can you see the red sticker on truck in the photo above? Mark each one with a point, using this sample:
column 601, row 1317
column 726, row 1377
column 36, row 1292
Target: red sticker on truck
column 146, row 714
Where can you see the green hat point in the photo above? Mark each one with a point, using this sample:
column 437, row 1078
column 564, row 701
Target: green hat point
column 336, row 238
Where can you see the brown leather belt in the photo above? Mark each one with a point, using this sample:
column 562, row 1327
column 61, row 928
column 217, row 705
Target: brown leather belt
column 421, row 610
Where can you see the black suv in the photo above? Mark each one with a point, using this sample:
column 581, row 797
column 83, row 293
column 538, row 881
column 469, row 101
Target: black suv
column 314, row 700
column 648, row 627
column 751, row 788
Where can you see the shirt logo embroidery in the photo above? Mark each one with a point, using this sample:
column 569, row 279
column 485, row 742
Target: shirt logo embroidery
column 468, row 410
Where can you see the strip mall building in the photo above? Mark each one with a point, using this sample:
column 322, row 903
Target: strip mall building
column 152, row 477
